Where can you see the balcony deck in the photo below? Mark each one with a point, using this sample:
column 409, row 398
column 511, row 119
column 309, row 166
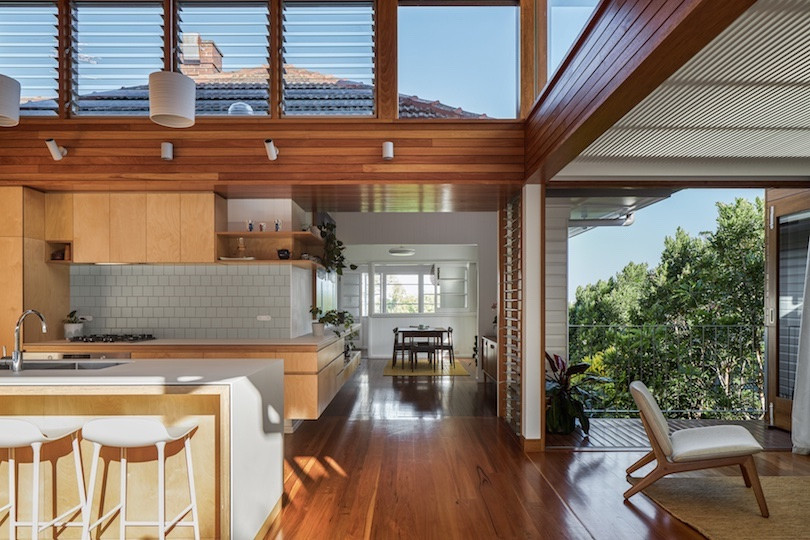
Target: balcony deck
column 628, row 434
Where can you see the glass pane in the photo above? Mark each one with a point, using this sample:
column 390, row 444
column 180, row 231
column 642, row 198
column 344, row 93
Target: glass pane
column 115, row 48
column 328, row 57
column 28, row 53
column 458, row 61
column 794, row 235
column 566, row 19
column 401, row 293
column 378, row 307
column 225, row 50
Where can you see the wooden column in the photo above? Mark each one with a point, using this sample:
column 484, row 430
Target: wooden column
column 386, row 37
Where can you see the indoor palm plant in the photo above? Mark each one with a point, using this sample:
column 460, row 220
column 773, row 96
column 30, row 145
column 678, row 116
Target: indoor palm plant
column 565, row 397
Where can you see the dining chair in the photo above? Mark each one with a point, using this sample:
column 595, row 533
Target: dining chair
column 428, row 347
column 399, row 346
column 443, row 346
column 693, row 448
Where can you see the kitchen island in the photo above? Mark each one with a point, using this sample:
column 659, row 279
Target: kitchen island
column 315, row 368
column 238, row 448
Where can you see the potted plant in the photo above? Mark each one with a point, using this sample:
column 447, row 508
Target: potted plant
column 317, row 321
column 73, row 325
column 333, row 258
column 565, row 397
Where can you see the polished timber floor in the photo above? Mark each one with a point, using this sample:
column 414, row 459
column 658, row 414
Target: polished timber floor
column 425, row 458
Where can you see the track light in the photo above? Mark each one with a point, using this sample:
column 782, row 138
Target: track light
column 9, row 101
column 166, row 151
column 388, row 150
column 272, row 151
column 57, row 152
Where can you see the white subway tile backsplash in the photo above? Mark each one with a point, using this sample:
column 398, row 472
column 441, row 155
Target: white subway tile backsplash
column 189, row 301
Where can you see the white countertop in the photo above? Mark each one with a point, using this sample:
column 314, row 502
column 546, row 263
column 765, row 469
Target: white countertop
column 181, row 371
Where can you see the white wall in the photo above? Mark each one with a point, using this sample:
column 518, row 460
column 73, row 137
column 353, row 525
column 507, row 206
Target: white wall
column 266, row 210
column 557, row 213
column 449, row 228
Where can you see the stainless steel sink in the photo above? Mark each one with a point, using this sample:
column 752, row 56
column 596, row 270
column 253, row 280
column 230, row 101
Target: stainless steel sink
column 73, row 365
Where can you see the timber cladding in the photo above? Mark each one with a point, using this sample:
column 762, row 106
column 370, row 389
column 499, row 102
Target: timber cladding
column 229, row 156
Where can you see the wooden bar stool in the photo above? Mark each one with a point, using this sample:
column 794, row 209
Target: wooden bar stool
column 18, row 433
column 129, row 432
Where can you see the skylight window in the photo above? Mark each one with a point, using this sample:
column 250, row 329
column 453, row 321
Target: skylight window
column 28, row 53
column 225, row 49
column 328, row 57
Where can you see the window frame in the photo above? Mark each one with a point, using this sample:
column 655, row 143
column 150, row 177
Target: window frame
column 374, row 293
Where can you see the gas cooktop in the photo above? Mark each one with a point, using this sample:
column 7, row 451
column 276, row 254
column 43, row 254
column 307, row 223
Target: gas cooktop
column 113, row 338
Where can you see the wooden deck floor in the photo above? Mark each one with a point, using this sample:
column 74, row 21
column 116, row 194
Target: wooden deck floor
column 628, row 434
column 425, row 458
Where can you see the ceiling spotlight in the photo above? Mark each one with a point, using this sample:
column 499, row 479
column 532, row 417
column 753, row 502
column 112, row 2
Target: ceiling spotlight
column 272, row 151
column 166, row 151
column 388, row 150
column 401, row 251
column 57, row 152
column 9, row 101
column 172, row 99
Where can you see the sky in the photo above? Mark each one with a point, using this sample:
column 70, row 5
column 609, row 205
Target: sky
column 602, row 252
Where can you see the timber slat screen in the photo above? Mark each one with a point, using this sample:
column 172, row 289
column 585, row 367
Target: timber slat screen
column 510, row 357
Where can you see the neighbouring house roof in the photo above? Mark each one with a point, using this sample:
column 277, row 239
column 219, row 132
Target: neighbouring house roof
column 306, row 92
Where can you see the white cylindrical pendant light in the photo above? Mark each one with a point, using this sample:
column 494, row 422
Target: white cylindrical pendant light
column 9, row 101
column 388, row 150
column 172, row 99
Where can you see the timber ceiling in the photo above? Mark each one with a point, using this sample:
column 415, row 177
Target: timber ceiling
column 738, row 110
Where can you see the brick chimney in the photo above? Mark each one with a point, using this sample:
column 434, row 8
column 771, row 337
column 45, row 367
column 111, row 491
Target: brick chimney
column 199, row 57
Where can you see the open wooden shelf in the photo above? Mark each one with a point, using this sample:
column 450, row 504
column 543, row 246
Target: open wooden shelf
column 264, row 246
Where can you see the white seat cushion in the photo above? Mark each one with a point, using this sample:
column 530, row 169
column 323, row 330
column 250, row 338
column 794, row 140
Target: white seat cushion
column 712, row 442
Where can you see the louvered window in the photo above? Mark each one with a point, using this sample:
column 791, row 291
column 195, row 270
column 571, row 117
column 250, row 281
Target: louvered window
column 328, row 57
column 116, row 46
column 28, row 53
column 225, row 49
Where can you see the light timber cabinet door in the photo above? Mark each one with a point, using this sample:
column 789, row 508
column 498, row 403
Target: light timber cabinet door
column 162, row 227
column 127, row 227
column 59, row 217
column 197, row 239
column 91, row 227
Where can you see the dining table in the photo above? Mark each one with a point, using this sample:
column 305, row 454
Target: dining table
column 430, row 335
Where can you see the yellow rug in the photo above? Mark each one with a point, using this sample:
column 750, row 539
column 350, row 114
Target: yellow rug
column 423, row 368
column 723, row 508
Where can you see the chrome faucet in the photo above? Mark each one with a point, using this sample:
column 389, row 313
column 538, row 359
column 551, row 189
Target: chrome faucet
column 16, row 354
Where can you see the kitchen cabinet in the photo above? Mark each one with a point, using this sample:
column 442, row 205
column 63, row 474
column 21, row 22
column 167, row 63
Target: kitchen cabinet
column 197, row 217
column 127, row 227
column 162, row 227
column 58, row 217
column 489, row 357
column 91, row 227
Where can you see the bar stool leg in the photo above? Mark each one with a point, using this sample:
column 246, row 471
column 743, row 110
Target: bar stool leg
column 77, row 462
column 161, row 449
column 36, row 447
column 122, row 515
column 12, row 493
column 90, row 489
column 191, row 491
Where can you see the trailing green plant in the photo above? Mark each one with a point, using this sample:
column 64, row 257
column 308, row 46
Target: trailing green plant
column 565, row 397
column 72, row 318
column 333, row 258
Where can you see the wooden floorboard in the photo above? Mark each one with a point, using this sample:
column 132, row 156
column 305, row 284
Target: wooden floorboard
column 428, row 459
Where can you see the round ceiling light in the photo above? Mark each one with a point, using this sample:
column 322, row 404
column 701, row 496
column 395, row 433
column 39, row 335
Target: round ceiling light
column 9, row 101
column 172, row 99
column 401, row 251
